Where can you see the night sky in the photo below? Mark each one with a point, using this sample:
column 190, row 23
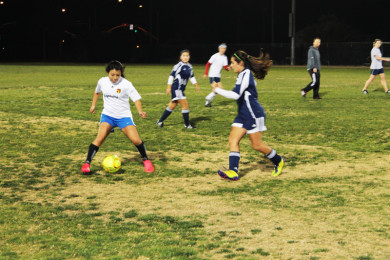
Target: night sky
column 41, row 30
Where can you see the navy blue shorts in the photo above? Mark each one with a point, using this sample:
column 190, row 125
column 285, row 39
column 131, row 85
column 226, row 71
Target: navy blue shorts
column 252, row 125
column 212, row 79
column 377, row 72
column 116, row 122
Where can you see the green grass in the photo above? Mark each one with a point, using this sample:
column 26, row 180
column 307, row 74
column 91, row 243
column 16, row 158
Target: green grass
column 331, row 202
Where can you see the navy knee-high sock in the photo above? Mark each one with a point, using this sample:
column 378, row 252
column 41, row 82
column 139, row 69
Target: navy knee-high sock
column 186, row 116
column 165, row 115
column 234, row 161
column 274, row 157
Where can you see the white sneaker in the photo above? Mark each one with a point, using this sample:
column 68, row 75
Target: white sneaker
column 189, row 126
column 160, row 124
column 365, row 92
column 208, row 103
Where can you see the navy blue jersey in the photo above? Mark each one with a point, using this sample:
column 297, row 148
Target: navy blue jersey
column 180, row 74
column 248, row 105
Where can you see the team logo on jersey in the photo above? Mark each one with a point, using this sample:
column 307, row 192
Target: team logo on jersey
column 118, row 90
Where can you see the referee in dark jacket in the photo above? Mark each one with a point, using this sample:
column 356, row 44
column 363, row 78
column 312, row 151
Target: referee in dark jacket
column 313, row 67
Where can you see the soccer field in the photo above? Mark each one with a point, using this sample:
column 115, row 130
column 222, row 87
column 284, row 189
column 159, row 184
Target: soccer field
column 331, row 201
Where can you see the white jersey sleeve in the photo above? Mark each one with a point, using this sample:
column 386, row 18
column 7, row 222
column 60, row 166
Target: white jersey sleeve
column 225, row 63
column 133, row 93
column 212, row 58
column 98, row 88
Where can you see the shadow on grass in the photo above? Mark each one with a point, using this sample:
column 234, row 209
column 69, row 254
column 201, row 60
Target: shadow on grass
column 256, row 168
column 199, row 119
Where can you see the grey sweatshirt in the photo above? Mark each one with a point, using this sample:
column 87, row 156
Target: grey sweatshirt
column 313, row 59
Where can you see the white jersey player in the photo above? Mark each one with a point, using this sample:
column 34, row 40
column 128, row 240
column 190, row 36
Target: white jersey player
column 377, row 67
column 116, row 112
column 216, row 63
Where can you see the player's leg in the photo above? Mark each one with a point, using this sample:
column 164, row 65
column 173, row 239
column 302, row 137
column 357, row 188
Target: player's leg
column 236, row 134
column 259, row 145
column 211, row 96
column 383, row 82
column 310, row 85
column 186, row 113
column 131, row 132
column 368, row 82
column 104, row 130
column 167, row 112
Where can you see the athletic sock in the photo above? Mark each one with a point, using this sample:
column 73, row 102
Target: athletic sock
column 166, row 113
column 234, row 161
column 92, row 150
column 142, row 150
column 274, row 157
column 186, row 116
column 211, row 96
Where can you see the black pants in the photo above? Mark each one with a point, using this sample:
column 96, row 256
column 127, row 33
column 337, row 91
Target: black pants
column 314, row 84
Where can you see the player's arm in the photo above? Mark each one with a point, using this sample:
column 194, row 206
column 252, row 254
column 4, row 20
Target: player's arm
column 206, row 72
column 138, row 106
column 94, row 102
column 194, row 82
column 236, row 93
column 226, row 67
column 382, row 58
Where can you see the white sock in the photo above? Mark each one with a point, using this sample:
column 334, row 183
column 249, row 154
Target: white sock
column 211, row 96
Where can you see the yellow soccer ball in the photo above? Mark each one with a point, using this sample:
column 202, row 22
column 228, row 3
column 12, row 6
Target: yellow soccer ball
column 111, row 163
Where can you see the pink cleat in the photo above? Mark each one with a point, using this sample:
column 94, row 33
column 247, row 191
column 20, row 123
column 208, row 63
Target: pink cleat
column 86, row 168
column 148, row 166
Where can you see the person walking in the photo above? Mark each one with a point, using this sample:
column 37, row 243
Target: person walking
column 313, row 67
column 377, row 67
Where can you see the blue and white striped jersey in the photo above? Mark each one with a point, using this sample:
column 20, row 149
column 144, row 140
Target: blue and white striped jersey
column 180, row 74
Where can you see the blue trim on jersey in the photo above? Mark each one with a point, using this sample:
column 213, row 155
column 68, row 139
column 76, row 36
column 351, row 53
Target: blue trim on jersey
column 377, row 71
column 216, row 79
column 116, row 122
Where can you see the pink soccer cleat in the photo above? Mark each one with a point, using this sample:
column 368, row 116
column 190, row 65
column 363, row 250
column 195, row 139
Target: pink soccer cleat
column 86, row 168
column 148, row 166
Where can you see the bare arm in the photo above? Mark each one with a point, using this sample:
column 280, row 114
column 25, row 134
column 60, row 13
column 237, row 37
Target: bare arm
column 94, row 101
column 138, row 106
column 169, row 88
column 382, row 58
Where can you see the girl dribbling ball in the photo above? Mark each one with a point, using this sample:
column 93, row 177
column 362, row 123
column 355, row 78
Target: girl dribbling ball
column 116, row 112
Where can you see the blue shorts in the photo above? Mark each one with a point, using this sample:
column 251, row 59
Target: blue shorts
column 252, row 125
column 377, row 72
column 117, row 122
column 212, row 79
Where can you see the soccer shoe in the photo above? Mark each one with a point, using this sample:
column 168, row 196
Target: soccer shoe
column 208, row 103
column 365, row 91
column 303, row 93
column 387, row 92
column 160, row 124
column 189, row 126
column 317, row 97
column 278, row 168
column 228, row 174
column 148, row 166
column 86, row 168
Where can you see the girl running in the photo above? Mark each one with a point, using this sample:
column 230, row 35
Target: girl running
column 177, row 83
column 251, row 117
column 116, row 113
column 217, row 62
column 377, row 67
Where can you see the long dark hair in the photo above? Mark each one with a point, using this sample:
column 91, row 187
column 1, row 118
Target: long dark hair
column 115, row 65
column 258, row 65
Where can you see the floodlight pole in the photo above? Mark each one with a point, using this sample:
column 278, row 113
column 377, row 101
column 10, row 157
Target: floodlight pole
column 292, row 32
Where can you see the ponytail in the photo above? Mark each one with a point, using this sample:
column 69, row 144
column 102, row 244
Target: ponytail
column 258, row 65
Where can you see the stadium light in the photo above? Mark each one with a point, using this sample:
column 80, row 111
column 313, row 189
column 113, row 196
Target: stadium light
column 120, row 1
column 140, row 6
column 63, row 10
column 1, row 2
